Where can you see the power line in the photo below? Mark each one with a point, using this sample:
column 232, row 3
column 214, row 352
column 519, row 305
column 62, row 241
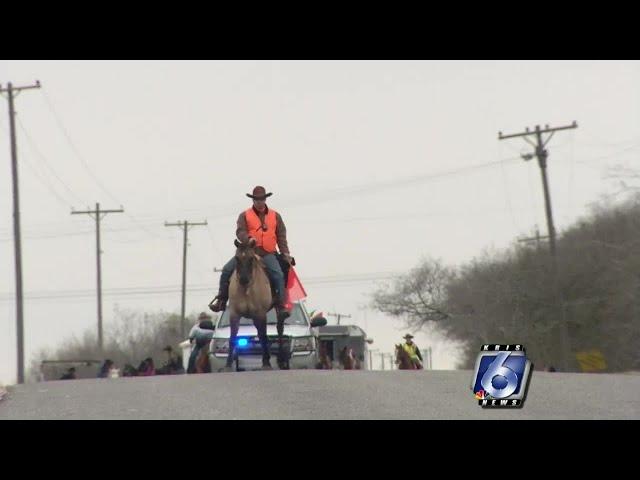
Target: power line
column 35, row 234
column 368, row 188
column 153, row 219
column 140, row 225
column 42, row 180
column 45, row 235
column 321, row 196
column 45, row 162
column 85, row 164
column 165, row 289
column 76, row 151
column 604, row 157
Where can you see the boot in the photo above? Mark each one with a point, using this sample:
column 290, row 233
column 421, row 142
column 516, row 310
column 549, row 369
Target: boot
column 218, row 304
column 282, row 312
column 266, row 362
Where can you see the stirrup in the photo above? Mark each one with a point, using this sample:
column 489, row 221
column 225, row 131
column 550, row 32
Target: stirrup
column 218, row 304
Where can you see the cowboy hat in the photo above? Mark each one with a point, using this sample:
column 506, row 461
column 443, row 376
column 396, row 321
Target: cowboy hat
column 259, row 193
column 408, row 336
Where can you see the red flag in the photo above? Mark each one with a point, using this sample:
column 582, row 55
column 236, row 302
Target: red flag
column 295, row 290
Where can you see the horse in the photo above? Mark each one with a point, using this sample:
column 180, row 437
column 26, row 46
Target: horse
column 403, row 360
column 202, row 361
column 347, row 359
column 250, row 296
column 358, row 364
column 324, row 361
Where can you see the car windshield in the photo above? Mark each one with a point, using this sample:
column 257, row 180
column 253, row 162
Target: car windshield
column 297, row 317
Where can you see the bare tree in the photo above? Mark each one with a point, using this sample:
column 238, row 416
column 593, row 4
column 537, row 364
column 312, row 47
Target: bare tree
column 417, row 297
column 131, row 337
column 508, row 296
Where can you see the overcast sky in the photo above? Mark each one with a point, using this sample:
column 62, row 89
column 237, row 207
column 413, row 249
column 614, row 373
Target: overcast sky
column 373, row 165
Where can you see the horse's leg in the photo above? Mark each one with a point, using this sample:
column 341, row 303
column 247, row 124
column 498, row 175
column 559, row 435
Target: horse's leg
column 202, row 362
column 193, row 358
column 261, row 327
column 199, row 363
column 282, row 361
column 234, row 323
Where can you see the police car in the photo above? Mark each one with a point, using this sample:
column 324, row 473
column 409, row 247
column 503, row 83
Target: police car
column 300, row 341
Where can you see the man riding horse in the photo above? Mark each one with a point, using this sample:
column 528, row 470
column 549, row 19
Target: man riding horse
column 266, row 227
column 412, row 351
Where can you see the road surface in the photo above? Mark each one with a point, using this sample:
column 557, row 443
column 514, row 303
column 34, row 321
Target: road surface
column 319, row 394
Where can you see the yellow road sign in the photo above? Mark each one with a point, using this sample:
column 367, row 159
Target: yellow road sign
column 591, row 361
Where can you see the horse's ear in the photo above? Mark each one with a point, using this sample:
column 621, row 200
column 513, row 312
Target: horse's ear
column 252, row 242
column 237, row 243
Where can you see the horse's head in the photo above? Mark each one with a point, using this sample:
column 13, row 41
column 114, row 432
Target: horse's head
column 245, row 258
column 399, row 351
column 402, row 358
column 347, row 358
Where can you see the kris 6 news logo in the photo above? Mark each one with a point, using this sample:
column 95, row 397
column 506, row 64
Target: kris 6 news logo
column 501, row 376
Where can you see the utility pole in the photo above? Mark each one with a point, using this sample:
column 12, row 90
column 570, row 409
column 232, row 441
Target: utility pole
column 99, row 214
column 185, row 227
column 428, row 363
column 391, row 361
column 13, row 92
column 339, row 316
column 382, row 355
column 542, row 154
column 371, row 352
column 536, row 238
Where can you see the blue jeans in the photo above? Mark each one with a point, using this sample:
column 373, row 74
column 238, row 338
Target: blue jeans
column 274, row 272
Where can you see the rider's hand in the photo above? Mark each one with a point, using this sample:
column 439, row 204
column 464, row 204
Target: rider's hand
column 287, row 258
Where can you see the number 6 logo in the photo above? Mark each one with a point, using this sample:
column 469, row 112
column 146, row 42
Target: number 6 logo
column 498, row 369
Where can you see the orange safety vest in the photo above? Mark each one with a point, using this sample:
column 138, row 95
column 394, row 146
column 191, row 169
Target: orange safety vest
column 267, row 240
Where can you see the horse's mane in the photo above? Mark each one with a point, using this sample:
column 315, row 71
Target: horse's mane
column 258, row 262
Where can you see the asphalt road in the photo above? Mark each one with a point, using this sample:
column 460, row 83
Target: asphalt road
column 320, row 394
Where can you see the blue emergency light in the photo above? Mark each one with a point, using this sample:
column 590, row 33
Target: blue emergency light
column 242, row 342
